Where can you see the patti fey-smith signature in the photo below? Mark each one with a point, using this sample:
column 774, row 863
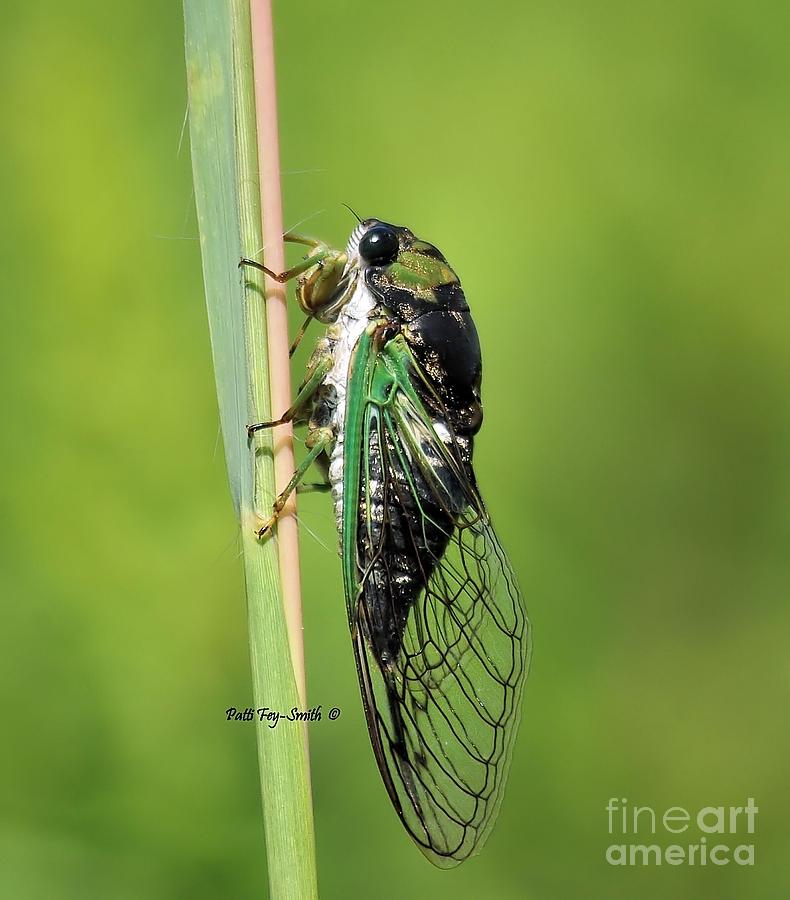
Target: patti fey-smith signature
column 272, row 716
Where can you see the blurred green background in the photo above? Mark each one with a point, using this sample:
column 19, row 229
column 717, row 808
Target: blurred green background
column 611, row 181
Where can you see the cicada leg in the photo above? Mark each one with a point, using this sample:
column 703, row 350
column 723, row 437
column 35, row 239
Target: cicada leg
column 288, row 274
column 321, row 440
column 317, row 441
column 308, row 389
column 299, row 335
column 290, row 237
column 320, row 487
column 319, row 275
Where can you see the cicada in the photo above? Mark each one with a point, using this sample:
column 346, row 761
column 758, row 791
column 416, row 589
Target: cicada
column 391, row 401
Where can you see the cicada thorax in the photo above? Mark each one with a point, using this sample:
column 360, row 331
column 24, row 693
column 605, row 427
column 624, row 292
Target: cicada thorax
column 437, row 325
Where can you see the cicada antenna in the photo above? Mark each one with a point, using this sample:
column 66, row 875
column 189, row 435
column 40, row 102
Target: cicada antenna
column 352, row 212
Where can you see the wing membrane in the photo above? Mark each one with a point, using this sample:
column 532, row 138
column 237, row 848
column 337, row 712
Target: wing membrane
column 440, row 632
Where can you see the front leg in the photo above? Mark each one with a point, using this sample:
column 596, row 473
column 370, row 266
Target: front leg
column 307, row 263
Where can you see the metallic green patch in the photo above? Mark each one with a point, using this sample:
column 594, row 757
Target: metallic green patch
column 420, row 274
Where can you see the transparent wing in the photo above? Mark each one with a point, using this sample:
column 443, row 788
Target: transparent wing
column 440, row 631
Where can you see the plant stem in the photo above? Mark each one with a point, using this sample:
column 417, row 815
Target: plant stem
column 225, row 164
column 277, row 321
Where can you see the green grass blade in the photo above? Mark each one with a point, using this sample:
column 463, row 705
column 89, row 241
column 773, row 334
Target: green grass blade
column 225, row 167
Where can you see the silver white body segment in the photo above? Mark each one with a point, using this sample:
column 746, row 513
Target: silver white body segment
column 348, row 328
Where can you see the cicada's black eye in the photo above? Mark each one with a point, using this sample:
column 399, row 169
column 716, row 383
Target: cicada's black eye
column 379, row 246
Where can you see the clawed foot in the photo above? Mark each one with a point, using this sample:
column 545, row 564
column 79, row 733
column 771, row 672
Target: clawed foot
column 266, row 529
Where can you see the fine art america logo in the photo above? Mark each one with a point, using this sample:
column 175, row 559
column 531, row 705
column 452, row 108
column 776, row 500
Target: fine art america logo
column 711, row 835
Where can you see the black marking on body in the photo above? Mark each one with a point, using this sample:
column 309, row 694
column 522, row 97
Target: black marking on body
column 443, row 338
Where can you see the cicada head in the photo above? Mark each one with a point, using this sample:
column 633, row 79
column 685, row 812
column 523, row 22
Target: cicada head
column 392, row 254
